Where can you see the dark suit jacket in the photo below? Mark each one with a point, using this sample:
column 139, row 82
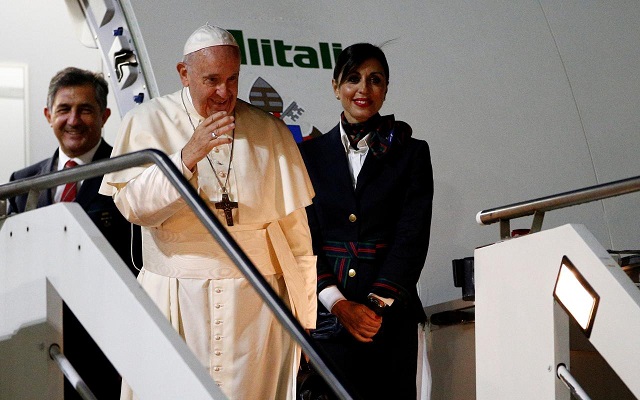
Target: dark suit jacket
column 391, row 205
column 99, row 208
column 83, row 353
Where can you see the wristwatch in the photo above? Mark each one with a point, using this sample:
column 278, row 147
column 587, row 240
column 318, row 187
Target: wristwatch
column 378, row 306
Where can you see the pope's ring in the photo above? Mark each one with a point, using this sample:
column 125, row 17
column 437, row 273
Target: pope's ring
column 214, row 133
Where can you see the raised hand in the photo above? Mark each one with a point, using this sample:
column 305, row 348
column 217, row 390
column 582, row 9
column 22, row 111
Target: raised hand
column 206, row 136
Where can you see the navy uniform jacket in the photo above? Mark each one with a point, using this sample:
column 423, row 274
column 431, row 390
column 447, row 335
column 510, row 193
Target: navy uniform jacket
column 103, row 380
column 388, row 213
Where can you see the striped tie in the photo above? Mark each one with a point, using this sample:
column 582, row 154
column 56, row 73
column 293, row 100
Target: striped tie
column 71, row 188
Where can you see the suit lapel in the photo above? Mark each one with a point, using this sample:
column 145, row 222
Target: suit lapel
column 370, row 170
column 45, row 198
column 337, row 163
column 89, row 189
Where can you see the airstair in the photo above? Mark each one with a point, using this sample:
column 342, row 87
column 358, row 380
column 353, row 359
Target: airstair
column 554, row 314
column 56, row 253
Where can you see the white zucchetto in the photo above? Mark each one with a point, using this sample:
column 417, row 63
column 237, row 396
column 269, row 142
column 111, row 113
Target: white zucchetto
column 208, row 36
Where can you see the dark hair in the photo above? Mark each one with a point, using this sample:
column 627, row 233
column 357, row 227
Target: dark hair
column 72, row 76
column 353, row 56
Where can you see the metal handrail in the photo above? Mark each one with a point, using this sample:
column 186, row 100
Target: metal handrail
column 72, row 375
column 538, row 207
column 202, row 211
column 563, row 373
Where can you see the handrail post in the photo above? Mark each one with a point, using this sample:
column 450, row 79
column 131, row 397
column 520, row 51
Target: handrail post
column 505, row 229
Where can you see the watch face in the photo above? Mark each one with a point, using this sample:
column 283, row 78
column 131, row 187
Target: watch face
column 376, row 305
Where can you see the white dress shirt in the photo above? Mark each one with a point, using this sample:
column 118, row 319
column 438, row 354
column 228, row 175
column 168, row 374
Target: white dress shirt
column 81, row 160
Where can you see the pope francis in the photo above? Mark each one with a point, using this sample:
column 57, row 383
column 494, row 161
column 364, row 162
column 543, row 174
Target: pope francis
column 244, row 163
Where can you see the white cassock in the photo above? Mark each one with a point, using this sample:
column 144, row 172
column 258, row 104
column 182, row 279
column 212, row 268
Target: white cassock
column 193, row 282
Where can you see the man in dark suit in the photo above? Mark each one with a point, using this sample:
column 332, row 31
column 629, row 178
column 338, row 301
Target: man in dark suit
column 77, row 110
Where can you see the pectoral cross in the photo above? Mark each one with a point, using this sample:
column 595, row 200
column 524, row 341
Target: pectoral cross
column 227, row 205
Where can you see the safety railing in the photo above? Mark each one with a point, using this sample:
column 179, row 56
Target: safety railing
column 211, row 223
column 563, row 373
column 538, row 207
column 70, row 373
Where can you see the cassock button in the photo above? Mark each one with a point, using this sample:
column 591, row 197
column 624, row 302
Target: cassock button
column 352, row 218
column 222, row 174
column 352, row 273
column 217, row 352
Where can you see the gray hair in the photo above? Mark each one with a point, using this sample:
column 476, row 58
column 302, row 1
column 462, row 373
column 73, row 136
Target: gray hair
column 72, row 76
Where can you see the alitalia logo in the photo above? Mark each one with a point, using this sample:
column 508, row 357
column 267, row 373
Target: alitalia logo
column 274, row 52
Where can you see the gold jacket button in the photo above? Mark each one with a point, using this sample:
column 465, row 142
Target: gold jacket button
column 352, row 273
column 353, row 218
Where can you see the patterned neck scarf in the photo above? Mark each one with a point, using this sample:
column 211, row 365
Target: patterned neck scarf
column 383, row 131
column 355, row 132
